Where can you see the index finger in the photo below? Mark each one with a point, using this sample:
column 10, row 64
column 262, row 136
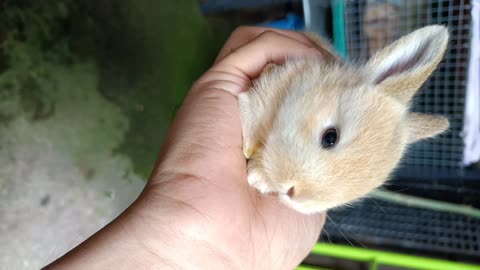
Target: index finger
column 248, row 61
column 245, row 34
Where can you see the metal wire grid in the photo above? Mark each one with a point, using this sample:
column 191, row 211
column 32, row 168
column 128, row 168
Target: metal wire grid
column 444, row 93
column 379, row 223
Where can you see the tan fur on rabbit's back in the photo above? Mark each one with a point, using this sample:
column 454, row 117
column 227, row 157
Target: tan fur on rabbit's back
column 290, row 107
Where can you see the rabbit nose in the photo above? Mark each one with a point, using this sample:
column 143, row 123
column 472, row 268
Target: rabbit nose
column 291, row 192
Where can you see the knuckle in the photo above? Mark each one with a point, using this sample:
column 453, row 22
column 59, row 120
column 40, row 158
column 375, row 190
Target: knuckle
column 268, row 35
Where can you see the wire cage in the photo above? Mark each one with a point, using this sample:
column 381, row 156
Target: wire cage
column 369, row 26
column 372, row 24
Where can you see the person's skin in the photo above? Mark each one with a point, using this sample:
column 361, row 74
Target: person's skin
column 197, row 210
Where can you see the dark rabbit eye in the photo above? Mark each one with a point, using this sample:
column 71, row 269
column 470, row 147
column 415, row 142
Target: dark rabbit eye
column 329, row 138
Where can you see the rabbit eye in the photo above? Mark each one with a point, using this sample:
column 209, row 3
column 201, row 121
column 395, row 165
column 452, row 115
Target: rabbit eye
column 329, row 138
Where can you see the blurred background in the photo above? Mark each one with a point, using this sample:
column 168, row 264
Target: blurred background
column 88, row 89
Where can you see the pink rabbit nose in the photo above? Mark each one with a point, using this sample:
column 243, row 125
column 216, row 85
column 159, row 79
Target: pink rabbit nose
column 291, row 192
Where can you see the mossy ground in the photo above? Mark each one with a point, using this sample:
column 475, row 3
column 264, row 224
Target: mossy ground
column 146, row 55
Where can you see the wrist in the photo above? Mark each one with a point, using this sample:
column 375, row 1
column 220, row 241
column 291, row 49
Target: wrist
column 116, row 246
column 148, row 237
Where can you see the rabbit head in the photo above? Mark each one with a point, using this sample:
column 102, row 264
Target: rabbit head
column 342, row 129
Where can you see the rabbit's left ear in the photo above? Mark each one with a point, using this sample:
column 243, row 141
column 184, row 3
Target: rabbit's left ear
column 402, row 67
column 421, row 126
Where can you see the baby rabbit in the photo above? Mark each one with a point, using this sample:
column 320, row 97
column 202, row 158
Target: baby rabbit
column 323, row 132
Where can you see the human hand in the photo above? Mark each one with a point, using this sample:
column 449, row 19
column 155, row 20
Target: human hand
column 197, row 210
column 202, row 165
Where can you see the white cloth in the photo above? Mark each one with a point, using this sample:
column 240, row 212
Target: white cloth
column 471, row 128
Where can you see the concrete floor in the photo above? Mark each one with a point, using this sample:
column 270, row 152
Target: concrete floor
column 59, row 179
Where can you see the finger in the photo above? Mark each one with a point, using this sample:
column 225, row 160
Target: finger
column 245, row 34
column 268, row 47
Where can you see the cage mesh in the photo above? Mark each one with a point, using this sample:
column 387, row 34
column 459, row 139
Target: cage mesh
column 418, row 231
column 372, row 24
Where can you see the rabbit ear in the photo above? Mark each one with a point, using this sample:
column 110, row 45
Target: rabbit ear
column 421, row 126
column 402, row 67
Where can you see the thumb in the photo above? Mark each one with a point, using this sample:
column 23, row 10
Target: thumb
column 205, row 138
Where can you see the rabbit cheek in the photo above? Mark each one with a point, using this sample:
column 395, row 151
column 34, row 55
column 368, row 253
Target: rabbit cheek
column 257, row 178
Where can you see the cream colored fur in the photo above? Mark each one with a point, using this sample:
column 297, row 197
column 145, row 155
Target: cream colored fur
column 289, row 107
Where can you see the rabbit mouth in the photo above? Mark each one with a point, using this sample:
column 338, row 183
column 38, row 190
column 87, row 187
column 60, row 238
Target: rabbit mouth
column 304, row 206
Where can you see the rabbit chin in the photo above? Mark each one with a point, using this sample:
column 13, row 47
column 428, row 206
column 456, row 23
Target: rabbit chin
column 307, row 207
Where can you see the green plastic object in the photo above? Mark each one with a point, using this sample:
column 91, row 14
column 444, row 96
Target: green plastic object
column 305, row 267
column 339, row 41
column 377, row 258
